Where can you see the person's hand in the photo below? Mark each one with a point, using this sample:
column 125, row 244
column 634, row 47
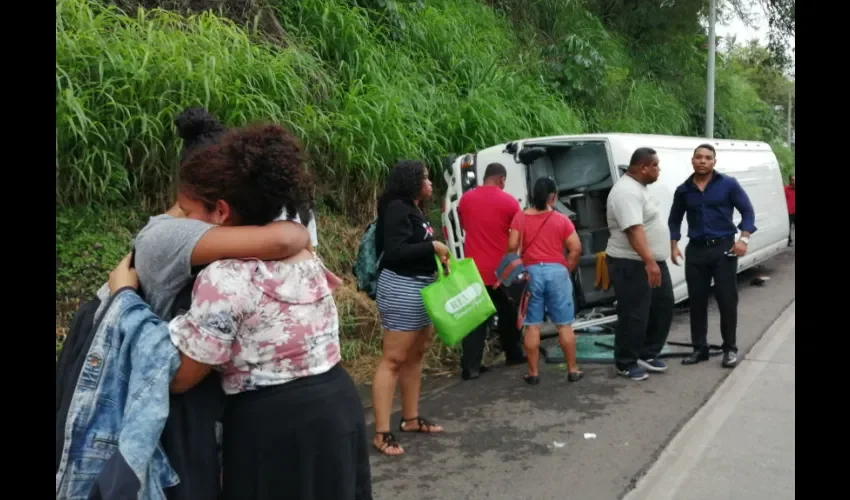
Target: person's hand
column 675, row 254
column 653, row 272
column 442, row 252
column 123, row 276
column 739, row 248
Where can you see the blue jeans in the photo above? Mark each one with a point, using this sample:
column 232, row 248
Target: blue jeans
column 551, row 293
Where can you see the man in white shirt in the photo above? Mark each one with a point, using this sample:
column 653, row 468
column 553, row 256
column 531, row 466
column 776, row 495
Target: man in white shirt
column 636, row 256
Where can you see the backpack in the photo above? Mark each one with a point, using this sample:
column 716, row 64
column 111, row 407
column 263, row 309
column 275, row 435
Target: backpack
column 367, row 262
column 512, row 277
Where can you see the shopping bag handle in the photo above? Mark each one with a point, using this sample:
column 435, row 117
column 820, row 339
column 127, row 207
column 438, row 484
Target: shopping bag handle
column 440, row 272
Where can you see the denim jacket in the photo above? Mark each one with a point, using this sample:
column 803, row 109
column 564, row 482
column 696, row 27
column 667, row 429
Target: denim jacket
column 119, row 408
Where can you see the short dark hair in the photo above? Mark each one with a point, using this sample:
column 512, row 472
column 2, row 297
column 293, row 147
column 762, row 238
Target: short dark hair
column 708, row 147
column 642, row 156
column 258, row 169
column 495, row 170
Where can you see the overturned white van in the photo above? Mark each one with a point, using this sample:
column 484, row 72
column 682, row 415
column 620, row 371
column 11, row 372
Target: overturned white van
column 585, row 168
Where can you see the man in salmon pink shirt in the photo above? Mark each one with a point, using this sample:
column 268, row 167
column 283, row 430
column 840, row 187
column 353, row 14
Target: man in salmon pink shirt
column 485, row 216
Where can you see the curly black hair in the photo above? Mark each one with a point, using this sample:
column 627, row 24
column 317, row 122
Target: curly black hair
column 404, row 182
column 197, row 127
column 258, row 169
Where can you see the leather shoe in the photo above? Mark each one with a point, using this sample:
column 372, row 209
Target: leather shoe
column 730, row 359
column 696, row 357
column 473, row 374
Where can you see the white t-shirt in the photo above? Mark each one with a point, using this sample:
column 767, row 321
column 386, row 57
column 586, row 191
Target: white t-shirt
column 630, row 204
column 311, row 227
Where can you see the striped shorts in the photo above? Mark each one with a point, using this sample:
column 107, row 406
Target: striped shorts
column 400, row 303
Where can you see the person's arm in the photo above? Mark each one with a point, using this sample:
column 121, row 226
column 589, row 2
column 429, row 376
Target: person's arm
column 742, row 203
column 275, row 241
column 677, row 213
column 397, row 231
column 178, row 244
column 205, row 334
column 637, row 239
column 627, row 210
column 573, row 245
column 515, row 234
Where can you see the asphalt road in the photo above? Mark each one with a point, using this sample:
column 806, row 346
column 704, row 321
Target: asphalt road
column 742, row 442
column 507, row 440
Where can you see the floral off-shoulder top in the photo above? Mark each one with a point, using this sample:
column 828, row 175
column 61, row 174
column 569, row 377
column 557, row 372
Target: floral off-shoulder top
column 260, row 323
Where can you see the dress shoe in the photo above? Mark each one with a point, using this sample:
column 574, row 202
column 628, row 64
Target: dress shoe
column 473, row 374
column 696, row 357
column 730, row 359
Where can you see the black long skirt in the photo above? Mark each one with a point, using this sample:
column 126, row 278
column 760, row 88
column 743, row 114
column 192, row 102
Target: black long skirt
column 303, row 440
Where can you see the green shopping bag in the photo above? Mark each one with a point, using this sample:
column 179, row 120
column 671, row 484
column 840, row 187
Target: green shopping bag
column 458, row 302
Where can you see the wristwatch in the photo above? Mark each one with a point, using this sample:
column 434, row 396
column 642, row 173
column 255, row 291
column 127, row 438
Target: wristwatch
column 745, row 240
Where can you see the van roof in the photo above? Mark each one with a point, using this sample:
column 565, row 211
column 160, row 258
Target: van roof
column 633, row 141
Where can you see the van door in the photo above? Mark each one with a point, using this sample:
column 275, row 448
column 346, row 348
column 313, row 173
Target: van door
column 453, row 173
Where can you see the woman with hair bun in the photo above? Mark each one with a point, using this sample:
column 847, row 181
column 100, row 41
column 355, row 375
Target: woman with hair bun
column 293, row 424
column 169, row 252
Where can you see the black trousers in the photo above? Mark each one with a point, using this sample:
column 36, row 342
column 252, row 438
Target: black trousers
column 509, row 335
column 792, row 222
column 705, row 260
column 644, row 313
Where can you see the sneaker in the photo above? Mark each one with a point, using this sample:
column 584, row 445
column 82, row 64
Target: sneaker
column 634, row 373
column 653, row 365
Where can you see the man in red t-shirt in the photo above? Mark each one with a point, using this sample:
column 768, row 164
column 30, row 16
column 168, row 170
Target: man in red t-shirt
column 485, row 216
column 791, row 199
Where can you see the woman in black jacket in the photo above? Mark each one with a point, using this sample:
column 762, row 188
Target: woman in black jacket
column 405, row 241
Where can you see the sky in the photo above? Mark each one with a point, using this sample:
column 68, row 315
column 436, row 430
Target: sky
column 743, row 34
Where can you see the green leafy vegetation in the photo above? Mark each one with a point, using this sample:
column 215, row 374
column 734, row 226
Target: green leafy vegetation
column 365, row 83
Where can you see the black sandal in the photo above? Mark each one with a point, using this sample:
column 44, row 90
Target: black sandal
column 387, row 441
column 531, row 379
column 423, row 423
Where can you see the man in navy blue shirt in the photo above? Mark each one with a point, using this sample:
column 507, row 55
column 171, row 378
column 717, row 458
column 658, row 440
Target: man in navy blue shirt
column 709, row 198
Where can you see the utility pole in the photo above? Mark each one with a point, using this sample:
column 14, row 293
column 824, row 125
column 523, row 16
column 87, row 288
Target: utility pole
column 709, row 80
column 790, row 96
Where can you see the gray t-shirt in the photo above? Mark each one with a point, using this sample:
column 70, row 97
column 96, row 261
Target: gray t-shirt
column 629, row 204
column 164, row 259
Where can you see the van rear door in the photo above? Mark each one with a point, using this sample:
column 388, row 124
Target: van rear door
column 457, row 176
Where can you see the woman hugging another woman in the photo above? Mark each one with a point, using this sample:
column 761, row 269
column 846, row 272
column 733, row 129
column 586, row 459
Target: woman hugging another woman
column 293, row 425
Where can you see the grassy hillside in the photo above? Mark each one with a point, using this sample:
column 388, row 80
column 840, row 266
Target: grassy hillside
column 364, row 83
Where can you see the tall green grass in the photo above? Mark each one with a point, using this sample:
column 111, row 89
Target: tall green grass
column 363, row 87
column 455, row 81
column 121, row 80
